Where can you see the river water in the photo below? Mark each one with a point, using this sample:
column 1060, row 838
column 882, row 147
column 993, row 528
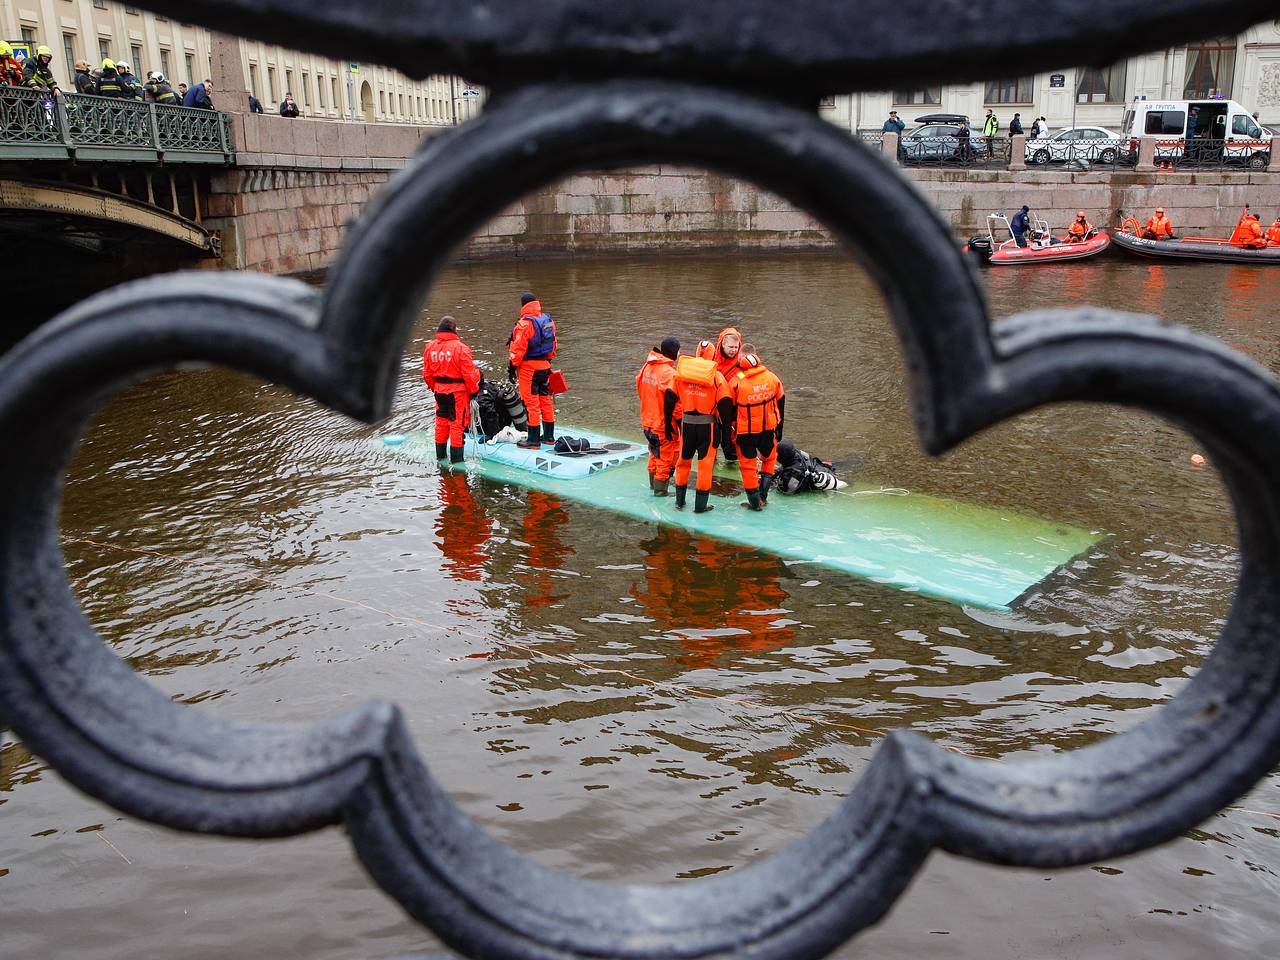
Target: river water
column 295, row 571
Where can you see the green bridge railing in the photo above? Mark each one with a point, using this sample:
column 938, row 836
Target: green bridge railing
column 35, row 126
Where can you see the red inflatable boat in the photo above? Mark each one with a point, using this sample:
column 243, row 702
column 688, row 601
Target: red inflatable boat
column 998, row 247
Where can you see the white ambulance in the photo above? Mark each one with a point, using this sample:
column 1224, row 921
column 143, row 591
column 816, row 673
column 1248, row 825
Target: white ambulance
column 1199, row 132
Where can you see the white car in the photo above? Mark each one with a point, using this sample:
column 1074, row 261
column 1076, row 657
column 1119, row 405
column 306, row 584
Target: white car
column 1094, row 144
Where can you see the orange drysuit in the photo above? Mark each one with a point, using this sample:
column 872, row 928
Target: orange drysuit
column 1158, row 227
column 1248, row 233
column 530, row 353
column 759, row 403
column 1078, row 230
column 727, row 366
column 705, row 407
column 452, row 376
column 652, row 383
column 1273, row 233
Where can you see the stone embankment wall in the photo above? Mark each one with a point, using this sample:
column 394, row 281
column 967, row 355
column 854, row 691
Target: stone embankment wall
column 284, row 207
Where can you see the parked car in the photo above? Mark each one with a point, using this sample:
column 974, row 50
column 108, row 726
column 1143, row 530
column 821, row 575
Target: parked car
column 938, row 140
column 1096, row 144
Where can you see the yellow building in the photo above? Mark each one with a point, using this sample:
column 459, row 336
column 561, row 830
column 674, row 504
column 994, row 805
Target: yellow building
column 93, row 30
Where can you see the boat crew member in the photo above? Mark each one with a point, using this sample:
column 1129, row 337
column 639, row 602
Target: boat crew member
column 728, row 347
column 1080, row 229
column 758, row 402
column 451, row 375
column 1158, row 227
column 800, row 472
column 652, row 383
column 1248, row 233
column 699, row 390
column 531, row 346
column 1020, row 225
column 1273, row 233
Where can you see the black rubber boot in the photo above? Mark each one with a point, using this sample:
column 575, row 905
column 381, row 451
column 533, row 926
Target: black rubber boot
column 455, row 454
column 548, row 432
column 652, row 481
column 700, row 499
column 680, row 495
column 531, row 442
column 753, row 500
column 766, row 484
column 660, row 488
column 442, row 451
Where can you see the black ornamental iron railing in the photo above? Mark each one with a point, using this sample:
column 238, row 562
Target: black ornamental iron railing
column 732, row 85
column 37, row 126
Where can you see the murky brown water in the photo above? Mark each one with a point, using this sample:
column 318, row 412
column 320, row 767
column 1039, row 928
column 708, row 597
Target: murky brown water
column 609, row 777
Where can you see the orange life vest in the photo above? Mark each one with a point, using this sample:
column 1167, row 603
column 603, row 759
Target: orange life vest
column 1160, row 226
column 1079, row 230
column 728, row 366
column 1273, row 234
column 1248, row 233
column 699, row 385
column 755, row 393
column 651, row 386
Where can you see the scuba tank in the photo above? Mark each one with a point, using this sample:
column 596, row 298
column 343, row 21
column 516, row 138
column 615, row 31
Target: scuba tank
column 509, row 397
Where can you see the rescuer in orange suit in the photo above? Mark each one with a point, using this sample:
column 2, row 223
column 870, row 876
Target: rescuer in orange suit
column 759, row 402
column 1248, row 233
column 1158, row 227
column 728, row 347
column 1080, row 228
column 651, row 385
column 700, row 391
column 531, row 347
column 451, row 375
column 1273, row 233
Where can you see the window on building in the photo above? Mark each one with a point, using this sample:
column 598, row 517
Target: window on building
column 29, row 37
column 164, row 65
column 306, row 89
column 320, row 91
column 135, row 53
column 134, row 11
column 271, row 84
column 1210, row 67
column 100, row 5
column 1009, row 91
column 191, row 67
column 908, row 98
column 333, row 89
column 382, row 101
column 104, row 49
column 400, row 97
column 1101, row 86
column 253, row 79
column 69, row 51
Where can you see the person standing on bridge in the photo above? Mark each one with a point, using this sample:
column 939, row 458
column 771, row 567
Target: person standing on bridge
column 990, row 126
column 37, row 72
column 451, row 375
column 10, row 68
column 531, row 346
column 159, row 91
column 130, row 82
column 85, row 81
column 109, row 83
column 199, row 96
column 289, row 108
column 255, row 105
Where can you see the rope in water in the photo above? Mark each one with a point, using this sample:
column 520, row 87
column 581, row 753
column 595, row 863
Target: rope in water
column 531, row 651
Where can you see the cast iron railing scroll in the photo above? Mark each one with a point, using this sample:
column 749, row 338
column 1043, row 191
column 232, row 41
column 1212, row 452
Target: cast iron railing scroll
column 730, row 86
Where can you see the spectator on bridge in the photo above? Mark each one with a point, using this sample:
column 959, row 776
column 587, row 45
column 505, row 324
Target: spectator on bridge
column 109, row 83
column 159, row 91
column 1015, row 125
column 85, row 81
column 37, row 72
column 255, row 105
column 10, row 68
column 991, row 125
column 198, row 96
column 129, row 81
column 182, row 91
column 288, row 108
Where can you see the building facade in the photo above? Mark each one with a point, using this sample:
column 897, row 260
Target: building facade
column 1244, row 68
column 94, row 30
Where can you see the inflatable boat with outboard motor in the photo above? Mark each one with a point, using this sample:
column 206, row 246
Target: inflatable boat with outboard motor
column 1130, row 237
column 998, row 247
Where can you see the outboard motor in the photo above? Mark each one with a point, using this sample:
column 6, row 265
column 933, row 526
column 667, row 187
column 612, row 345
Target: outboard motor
column 979, row 246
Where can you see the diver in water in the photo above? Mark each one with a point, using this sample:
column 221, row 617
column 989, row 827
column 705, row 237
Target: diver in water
column 800, row 472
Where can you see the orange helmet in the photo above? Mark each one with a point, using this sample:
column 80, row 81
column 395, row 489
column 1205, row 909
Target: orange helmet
column 749, row 361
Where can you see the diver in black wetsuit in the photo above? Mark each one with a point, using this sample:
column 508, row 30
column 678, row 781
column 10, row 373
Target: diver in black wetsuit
column 800, row 472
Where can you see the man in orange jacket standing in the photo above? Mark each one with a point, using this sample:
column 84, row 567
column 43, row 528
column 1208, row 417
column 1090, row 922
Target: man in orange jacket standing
column 652, row 383
column 452, row 376
column 531, row 347
column 759, row 404
column 699, row 391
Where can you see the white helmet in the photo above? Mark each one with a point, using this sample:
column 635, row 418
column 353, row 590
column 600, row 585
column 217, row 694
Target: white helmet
column 158, row 77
